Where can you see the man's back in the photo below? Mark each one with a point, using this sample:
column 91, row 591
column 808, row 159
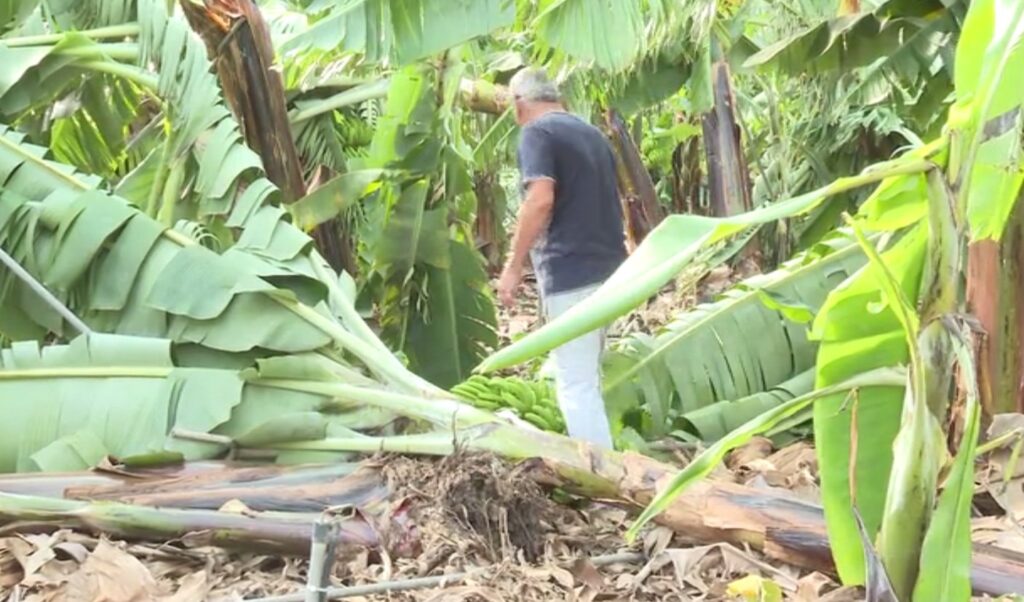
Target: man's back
column 585, row 241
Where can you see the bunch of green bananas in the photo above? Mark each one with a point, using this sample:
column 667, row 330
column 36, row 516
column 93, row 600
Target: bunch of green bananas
column 532, row 401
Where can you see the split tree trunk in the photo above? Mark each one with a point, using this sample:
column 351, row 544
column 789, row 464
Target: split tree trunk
column 640, row 199
column 728, row 174
column 995, row 295
column 239, row 44
column 687, row 178
column 484, row 97
column 490, row 231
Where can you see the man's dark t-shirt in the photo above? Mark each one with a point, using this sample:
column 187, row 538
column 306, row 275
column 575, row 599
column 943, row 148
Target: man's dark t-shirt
column 584, row 242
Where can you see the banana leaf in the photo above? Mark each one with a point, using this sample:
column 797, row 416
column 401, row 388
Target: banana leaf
column 202, row 152
column 859, row 332
column 446, row 340
column 854, row 41
column 13, row 12
column 123, row 273
column 430, row 286
column 946, row 553
column 707, row 354
column 706, row 461
column 70, row 406
column 609, row 34
column 406, row 30
column 127, row 397
column 714, row 422
column 203, row 137
column 988, row 115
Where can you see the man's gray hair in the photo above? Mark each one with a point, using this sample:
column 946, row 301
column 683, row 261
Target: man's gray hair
column 532, row 85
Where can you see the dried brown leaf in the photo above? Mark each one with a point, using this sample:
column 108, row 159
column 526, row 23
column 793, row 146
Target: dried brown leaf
column 809, row 588
column 757, row 448
column 111, row 575
column 192, row 588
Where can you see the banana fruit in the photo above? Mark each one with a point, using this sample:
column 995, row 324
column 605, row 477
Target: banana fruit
column 532, row 401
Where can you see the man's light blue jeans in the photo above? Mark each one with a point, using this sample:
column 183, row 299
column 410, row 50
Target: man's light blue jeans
column 577, row 367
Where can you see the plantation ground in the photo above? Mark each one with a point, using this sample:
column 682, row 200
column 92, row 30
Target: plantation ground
column 464, row 513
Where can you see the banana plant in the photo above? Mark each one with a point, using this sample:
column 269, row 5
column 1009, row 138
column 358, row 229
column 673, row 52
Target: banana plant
column 895, row 48
column 191, row 164
column 876, row 457
column 123, row 272
column 432, row 291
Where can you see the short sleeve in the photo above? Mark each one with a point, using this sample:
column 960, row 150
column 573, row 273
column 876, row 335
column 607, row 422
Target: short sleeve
column 536, row 156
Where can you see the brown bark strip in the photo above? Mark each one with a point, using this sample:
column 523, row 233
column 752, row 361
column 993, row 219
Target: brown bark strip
column 728, row 174
column 210, row 485
column 687, row 178
column 239, row 44
column 260, row 489
column 729, row 179
column 57, row 483
column 995, row 296
column 490, row 232
column 634, row 179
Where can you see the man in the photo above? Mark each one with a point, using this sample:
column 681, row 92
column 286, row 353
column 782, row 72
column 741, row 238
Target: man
column 570, row 225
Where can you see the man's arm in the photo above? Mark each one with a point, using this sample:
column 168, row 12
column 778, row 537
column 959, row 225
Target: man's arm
column 534, row 216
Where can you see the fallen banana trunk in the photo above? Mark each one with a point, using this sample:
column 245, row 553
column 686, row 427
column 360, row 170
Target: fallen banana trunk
column 773, row 521
column 210, row 485
column 275, row 533
column 264, row 488
column 56, row 484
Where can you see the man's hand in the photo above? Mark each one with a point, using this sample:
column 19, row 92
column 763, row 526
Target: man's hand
column 534, row 216
column 508, row 284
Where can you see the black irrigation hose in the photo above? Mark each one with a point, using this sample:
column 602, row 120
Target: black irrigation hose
column 337, row 593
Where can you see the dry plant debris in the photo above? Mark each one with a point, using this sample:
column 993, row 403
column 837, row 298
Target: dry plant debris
column 464, row 513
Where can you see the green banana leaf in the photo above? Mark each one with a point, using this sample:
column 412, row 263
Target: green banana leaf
column 123, row 273
column 715, row 421
column 446, row 341
column 708, row 354
column 859, row 332
column 945, row 570
column 406, row 30
column 987, row 115
column 70, row 406
column 854, row 41
column 609, row 34
column 89, row 14
column 201, row 152
column 203, row 136
column 13, row 12
column 432, row 292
